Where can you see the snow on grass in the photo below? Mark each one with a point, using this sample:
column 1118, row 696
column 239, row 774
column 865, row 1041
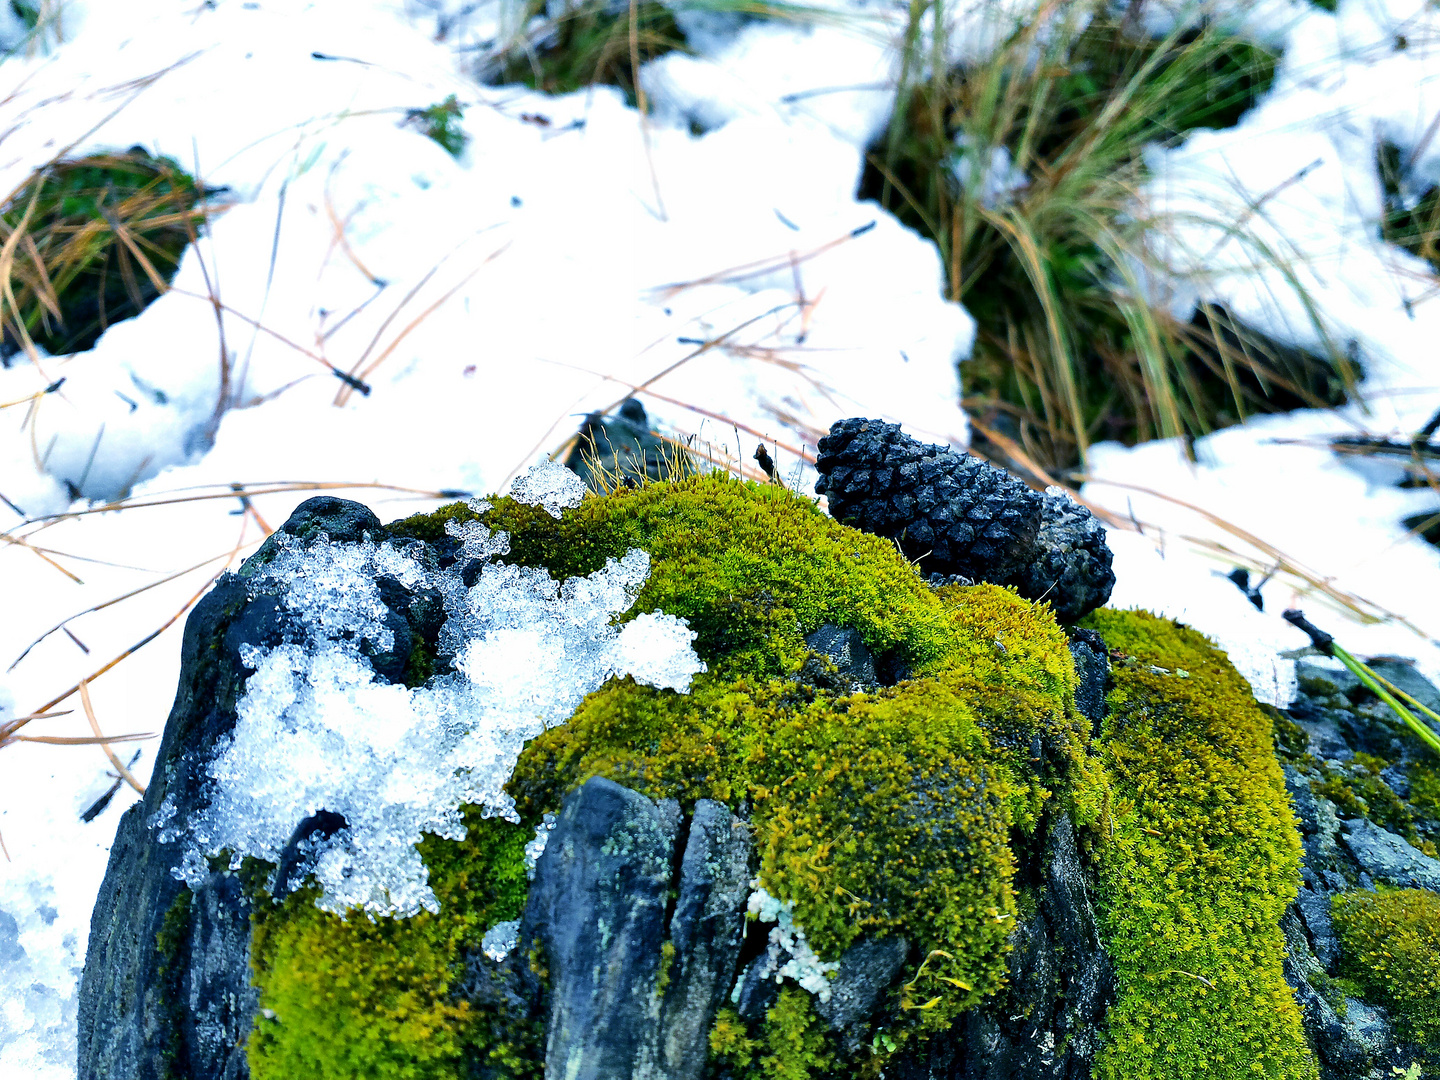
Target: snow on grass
column 573, row 255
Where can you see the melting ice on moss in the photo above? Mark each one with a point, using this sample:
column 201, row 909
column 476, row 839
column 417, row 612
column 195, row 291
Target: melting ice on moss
column 550, row 485
column 315, row 729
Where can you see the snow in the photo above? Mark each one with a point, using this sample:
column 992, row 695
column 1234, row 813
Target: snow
column 711, row 260
column 788, row 953
column 551, row 485
column 316, row 730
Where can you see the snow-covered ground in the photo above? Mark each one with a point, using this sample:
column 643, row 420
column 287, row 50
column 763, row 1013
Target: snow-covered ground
column 712, row 257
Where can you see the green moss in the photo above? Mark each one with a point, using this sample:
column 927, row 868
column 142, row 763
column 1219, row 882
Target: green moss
column 1390, row 945
column 883, row 813
column 420, row 665
column 730, row 1040
column 900, row 811
column 794, row 1044
column 1201, row 862
column 170, row 947
column 667, row 961
column 351, row 997
column 1358, row 791
column 1290, row 739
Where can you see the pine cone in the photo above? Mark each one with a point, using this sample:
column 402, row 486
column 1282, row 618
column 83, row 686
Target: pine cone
column 952, row 512
column 959, row 516
column 1071, row 569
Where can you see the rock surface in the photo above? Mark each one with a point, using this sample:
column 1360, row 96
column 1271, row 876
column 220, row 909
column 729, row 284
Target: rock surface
column 620, row 449
column 636, row 914
column 1348, row 762
column 166, row 990
column 634, row 984
column 1387, row 858
column 1046, row 1025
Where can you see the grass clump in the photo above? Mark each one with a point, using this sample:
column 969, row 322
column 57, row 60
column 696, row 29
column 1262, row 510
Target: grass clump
column 1024, row 170
column 1390, row 945
column 441, row 124
column 1203, row 860
column 1412, row 219
column 592, row 41
column 94, row 241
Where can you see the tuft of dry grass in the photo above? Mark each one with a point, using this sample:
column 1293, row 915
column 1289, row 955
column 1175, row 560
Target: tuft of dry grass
column 1024, row 168
column 88, row 241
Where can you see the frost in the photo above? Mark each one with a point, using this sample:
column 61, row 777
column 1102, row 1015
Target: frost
column 317, row 730
column 550, row 485
column 535, row 848
column 500, row 939
column 331, row 588
column 477, row 541
column 789, row 955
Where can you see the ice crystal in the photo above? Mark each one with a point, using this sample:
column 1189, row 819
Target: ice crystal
column 550, row 485
column 535, row 848
column 316, row 730
column 789, row 955
column 500, row 939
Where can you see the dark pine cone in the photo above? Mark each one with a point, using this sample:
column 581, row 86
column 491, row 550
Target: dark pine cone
column 1071, row 569
column 958, row 515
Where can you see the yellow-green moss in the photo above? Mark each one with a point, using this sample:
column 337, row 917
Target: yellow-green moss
column 791, row 1043
column 1201, row 860
column 730, row 1040
column 897, row 811
column 1360, row 792
column 355, row 998
column 1390, row 945
column 890, row 812
column 170, row 973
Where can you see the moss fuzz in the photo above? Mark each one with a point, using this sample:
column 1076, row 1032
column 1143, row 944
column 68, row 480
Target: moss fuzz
column 1390, row 945
column 355, row 998
column 1201, row 862
column 901, row 811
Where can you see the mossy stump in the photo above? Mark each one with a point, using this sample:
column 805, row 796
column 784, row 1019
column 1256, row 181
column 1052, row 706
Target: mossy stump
column 914, row 808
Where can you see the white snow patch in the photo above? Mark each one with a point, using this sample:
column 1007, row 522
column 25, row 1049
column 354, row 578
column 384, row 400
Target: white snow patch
column 316, row 730
column 550, row 485
column 789, row 955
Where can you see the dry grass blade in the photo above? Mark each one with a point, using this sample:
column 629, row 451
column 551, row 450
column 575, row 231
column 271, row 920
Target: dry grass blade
column 760, row 267
column 116, row 600
column 147, row 638
column 81, row 740
column 120, row 768
column 40, row 554
column 1365, row 610
column 365, row 374
column 329, row 485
